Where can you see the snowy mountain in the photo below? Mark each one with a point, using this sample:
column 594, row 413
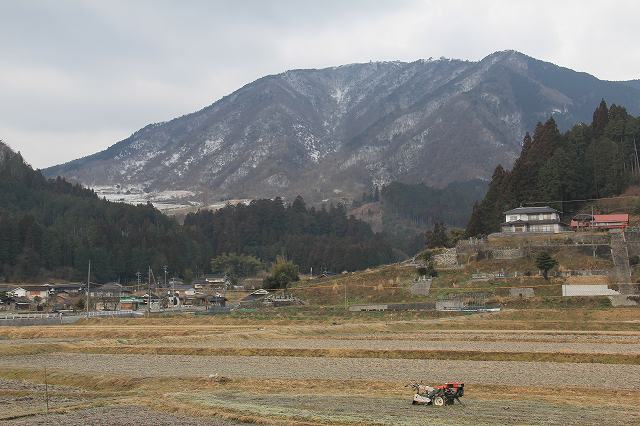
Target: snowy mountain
column 336, row 132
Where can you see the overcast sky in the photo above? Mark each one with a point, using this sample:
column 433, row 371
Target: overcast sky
column 78, row 76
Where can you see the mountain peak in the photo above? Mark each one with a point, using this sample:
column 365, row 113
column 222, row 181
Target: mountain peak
column 336, row 132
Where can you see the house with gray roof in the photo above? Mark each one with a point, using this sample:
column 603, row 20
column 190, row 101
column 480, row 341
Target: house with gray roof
column 544, row 220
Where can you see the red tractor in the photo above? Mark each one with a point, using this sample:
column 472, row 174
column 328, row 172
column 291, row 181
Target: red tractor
column 445, row 394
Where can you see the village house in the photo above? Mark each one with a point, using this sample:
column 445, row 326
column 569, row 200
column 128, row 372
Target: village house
column 184, row 291
column 14, row 291
column 20, row 304
column 107, row 296
column 61, row 300
column 69, row 288
column 5, row 298
column 131, row 303
column 215, row 279
column 38, row 292
column 532, row 220
column 214, row 282
column 600, row 221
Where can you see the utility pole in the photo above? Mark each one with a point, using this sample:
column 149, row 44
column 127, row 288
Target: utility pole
column 46, row 392
column 345, row 296
column 165, row 275
column 149, row 294
column 635, row 147
column 138, row 275
column 88, row 284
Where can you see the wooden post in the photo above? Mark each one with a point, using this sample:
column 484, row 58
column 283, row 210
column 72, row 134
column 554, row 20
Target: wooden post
column 46, row 392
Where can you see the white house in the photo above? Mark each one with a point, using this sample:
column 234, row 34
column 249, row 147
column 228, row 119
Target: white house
column 18, row 292
column 532, row 220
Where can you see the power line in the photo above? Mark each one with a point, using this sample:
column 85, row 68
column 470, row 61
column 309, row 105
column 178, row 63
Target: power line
column 582, row 200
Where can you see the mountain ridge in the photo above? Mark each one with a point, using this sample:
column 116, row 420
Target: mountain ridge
column 338, row 131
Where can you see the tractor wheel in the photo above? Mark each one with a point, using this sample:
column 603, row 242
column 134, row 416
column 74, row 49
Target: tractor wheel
column 439, row 401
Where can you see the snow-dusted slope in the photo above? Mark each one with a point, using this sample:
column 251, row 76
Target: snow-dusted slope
column 336, row 132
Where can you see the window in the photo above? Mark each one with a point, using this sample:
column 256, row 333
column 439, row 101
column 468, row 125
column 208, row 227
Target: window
column 512, row 218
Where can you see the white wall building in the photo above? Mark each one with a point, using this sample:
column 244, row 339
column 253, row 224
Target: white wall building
column 532, row 220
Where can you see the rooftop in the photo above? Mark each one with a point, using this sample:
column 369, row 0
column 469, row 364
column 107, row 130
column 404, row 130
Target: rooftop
column 531, row 210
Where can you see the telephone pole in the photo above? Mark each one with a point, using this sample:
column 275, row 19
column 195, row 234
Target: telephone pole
column 346, row 307
column 165, row 275
column 88, row 284
column 138, row 275
column 149, row 294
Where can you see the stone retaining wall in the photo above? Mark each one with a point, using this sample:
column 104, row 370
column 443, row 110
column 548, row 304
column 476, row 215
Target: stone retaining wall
column 447, row 259
column 507, row 253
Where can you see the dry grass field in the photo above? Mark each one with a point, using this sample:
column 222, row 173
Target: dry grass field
column 308, row 366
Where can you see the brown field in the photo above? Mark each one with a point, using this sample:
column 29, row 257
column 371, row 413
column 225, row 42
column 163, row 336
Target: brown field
column 306, row 366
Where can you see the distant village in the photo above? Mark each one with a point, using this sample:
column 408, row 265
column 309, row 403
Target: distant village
column 207, row 293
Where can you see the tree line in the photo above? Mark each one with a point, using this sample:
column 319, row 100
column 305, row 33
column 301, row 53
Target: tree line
column 52, row 228
column 322, row 239
column 588, row 161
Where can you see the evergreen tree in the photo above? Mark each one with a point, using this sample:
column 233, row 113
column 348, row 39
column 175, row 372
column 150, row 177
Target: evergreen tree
column 545, row 263
column 438, row 236
column 600, row 118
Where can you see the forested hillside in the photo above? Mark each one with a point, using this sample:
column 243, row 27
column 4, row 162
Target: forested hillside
column 408, row 210
column 319, row 239
column 588, row 161
column 51, row 228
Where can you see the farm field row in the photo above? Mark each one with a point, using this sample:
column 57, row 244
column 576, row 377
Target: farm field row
column 350, row 370
column 611, row 376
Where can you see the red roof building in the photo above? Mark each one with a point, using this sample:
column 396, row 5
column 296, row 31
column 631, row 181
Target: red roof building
column 600, row 221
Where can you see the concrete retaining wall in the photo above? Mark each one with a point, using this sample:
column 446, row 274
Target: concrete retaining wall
column 587, row 290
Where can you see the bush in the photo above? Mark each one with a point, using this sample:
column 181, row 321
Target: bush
column 431, row 270
column 282, row 274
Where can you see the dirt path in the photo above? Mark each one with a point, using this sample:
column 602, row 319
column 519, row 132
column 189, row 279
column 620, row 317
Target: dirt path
column 479, row 372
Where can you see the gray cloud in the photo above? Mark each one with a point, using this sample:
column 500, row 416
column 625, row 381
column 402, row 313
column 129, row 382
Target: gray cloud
column 77, row 76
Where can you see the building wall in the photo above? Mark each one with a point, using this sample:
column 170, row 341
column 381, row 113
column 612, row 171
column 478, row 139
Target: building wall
column 533, row 227
column 531, row 217
column 19, row 292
